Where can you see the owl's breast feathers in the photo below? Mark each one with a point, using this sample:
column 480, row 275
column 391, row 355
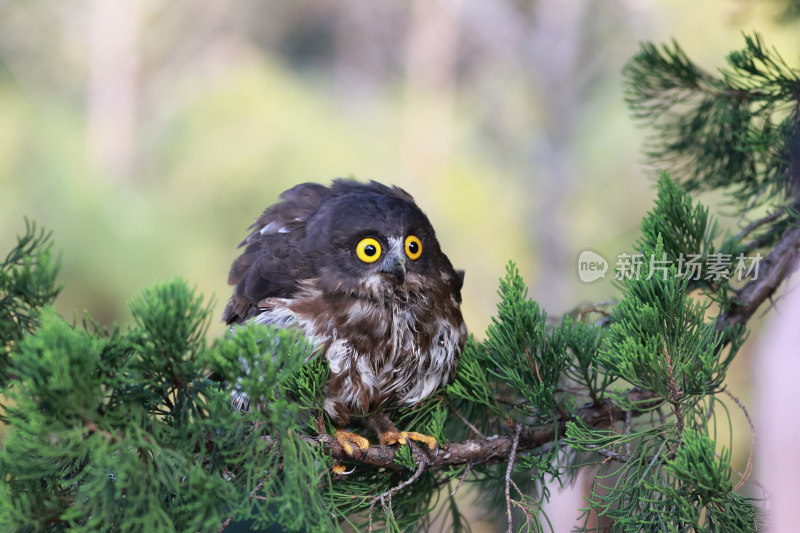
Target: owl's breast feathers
column 381, row 348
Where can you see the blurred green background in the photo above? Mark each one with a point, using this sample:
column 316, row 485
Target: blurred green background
column 148, row 134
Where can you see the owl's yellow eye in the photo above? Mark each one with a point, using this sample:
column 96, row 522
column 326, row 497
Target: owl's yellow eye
column 413, row 247
column 368, row 250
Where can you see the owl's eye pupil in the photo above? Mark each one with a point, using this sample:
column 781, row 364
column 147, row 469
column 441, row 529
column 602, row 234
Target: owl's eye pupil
column 369, row 250
column 413, row 247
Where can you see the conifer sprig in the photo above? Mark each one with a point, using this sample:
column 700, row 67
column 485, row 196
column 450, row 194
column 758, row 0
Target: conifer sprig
column 27, row 283
column 737, row 131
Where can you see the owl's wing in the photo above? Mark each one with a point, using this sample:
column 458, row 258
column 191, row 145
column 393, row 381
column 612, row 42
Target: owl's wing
column 271, row 265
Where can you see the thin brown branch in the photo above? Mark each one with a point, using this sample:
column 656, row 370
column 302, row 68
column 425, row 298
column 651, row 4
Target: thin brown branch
column 675, row 399
column 749, row 468
column 529, row 518
column 748, row 229
column 509, row 470
column 776, row 267
column 593, row 309
column 496, row 448
column 386, row 497
column 469, row 424
column 533, row 365
column 462, row 478
column 225, row 525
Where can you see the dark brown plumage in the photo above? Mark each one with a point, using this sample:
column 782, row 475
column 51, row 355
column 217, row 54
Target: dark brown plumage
column 358, row 269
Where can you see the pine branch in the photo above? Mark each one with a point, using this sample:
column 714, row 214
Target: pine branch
column 777, row 266
column 747, row 230
column 496, row 448
column 735, row 131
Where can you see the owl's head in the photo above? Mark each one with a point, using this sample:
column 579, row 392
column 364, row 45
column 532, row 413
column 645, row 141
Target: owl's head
column 363, row 240
column 376, row 241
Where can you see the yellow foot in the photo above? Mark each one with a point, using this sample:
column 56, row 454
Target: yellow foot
column 346, row 440
column 341, row 470
column 401, row 437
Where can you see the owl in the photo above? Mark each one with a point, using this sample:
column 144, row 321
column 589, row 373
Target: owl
column 357, row 268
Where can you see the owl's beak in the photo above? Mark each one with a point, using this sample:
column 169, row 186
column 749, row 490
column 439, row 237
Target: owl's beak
column 397, row 271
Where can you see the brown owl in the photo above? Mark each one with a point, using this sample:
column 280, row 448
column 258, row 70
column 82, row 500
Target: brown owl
column 358, row 269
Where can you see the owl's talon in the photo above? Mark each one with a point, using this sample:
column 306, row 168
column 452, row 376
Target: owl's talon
column 341, row 470
column 401, row 437
column 436, row 451
column 346, row 440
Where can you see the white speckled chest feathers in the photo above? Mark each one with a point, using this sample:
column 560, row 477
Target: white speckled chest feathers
column 379, row 350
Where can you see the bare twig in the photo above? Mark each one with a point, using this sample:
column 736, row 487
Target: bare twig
column 461, row 480
column 749, row 468
column 628, row 424
column 529, row 518
column 511, row 455
column 225, row 524
column 760, row 222
column 258, row 487
column 106, row 434
column 675, row 399
column 469, row 424
column 534, row 366
column 593, row 309
column 387, row 496
column 608, row 454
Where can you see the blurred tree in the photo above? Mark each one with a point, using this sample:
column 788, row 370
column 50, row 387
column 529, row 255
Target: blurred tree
column 113, row 85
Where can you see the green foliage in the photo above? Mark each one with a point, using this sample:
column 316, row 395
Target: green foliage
column 27, row 283
column 110, row 425
column 684, row 228
column 583, row 342
column 654, row 485
column 472, row 383
column 694, row 463
column 737, row 131
column 659, row 339
column 520, row 351
column 687, row 233
column 665, row 477
column 123, row 430
column 696, row 492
